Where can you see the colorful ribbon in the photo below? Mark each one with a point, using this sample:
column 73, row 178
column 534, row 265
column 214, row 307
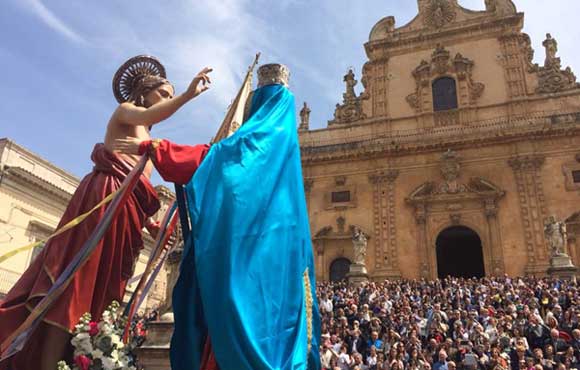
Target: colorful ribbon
column 66, row 227
column 158, row 255
column 18, row 339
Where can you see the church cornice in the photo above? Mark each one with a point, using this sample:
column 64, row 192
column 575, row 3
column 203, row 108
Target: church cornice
column 164, row 192
column 506, row 130
column 23, row 177
column 13, row 146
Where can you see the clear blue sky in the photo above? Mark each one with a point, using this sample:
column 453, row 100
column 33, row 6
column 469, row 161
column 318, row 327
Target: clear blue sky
column 58, row 58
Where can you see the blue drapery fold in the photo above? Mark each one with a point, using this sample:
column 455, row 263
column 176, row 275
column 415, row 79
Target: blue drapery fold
column 249, row 257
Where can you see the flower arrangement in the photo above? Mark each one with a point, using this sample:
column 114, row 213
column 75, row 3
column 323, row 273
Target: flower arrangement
column 99, row 345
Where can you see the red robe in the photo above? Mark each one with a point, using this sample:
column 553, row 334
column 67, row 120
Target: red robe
column 102, row 278
column 177, row 163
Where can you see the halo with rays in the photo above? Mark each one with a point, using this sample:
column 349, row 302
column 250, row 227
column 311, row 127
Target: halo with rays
column 132, row 70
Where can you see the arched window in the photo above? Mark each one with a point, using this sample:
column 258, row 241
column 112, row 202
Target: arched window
column 444, row 94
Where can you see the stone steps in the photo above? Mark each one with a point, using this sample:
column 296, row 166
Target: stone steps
column 154, row 353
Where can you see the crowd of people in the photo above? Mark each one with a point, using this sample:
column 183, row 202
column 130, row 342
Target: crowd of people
column 139, row 325
column 449, row 324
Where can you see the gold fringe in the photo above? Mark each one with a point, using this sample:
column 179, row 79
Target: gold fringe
column 50, row 322
column 308, row 302
column 154, row 145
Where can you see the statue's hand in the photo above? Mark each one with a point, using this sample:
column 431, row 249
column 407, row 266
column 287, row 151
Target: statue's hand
column 129, row 145
column 200, row 83
column 153, row 227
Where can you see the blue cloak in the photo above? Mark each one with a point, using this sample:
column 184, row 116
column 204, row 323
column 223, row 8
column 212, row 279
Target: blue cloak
column 247, row 275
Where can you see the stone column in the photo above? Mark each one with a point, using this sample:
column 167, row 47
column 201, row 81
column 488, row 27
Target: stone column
column 384, row 223
column 495, row 247
column 423, row 248
column 172, row 267
column 528, row 178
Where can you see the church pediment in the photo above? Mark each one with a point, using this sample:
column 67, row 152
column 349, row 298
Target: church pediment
column 451, row 188
column 342, row 231
column 435, row 15
column 476, row 188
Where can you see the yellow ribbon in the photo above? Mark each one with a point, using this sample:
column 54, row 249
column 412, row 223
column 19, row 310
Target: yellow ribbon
column 66, row 227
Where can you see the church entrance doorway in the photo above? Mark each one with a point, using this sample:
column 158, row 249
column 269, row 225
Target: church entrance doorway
column 339, row 269
column 459, row 253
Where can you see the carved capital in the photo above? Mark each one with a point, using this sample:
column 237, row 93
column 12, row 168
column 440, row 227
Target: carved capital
column 531, row 162
column 384, row 176
column 340, row 180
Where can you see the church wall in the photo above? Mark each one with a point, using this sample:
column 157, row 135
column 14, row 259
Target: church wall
column 486, row 55
column 488, row 162
column 401, row 84
column 16, row 215
column 513, row 143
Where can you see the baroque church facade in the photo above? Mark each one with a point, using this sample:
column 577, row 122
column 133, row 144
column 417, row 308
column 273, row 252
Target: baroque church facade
column 452, row 157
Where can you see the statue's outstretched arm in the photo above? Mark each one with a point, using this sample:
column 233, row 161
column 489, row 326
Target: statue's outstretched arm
column 130, row 114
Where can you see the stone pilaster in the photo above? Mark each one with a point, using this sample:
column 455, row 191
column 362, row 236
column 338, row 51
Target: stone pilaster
column 528, row 178
column 514, row 47
column 376, row 80
column 384, row 223
column 497, row 267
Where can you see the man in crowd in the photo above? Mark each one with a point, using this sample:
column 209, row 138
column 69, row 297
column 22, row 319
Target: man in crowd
column 493, row 323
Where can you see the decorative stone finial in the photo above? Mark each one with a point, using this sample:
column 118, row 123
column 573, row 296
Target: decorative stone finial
column 551, row 77
column 273, row 74
column 437, row 13
column 551, row 46
column 351, row 108
column 304, row 118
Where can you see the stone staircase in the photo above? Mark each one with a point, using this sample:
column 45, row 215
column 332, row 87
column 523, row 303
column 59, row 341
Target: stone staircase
column 154, row 353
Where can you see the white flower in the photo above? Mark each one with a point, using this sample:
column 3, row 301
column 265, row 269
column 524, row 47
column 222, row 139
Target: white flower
column 83, row 336
column 115, row 355
column 63, row 366
column 108, row 364
column 96, row 354
column 116, row 340
column 86, row 347
column 105, row 328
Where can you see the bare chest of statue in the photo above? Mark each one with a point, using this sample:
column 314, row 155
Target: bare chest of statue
column 119, row 131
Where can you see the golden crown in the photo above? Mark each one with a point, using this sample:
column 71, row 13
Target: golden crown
column 273, row 74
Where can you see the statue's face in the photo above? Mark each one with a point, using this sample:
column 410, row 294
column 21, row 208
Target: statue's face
column 160, row 94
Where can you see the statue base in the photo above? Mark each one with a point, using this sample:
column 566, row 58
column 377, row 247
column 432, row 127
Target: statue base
column 561, row 266
column 357, row 274
column 154, row 353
